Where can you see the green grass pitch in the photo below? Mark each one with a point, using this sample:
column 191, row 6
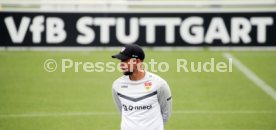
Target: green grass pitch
column 33, row 99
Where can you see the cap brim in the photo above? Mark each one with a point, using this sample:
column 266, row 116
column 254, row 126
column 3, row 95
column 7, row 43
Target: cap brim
column 120, row 56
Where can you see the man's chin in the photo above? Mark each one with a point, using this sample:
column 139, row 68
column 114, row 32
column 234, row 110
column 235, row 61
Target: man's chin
column 127, row 73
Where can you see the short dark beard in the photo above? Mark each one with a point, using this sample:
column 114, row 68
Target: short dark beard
column 128, row 73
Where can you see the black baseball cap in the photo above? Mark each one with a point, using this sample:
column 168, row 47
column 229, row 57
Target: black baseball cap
column 130, row 51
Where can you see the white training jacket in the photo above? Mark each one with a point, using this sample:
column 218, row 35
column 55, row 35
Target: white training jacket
column 145, row 104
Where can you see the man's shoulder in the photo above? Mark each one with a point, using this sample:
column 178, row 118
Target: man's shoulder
column 118, row 81
column 156, row 77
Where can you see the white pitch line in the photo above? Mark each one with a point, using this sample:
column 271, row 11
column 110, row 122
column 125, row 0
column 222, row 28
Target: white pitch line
column 252, row 76
column 62, row 114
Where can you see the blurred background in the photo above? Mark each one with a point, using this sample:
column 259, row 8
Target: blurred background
column 32, row 98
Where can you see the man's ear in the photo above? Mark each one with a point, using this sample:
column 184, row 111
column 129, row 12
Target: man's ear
column 139, row 60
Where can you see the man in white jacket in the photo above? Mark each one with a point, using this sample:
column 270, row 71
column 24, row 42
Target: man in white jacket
column 142, row 98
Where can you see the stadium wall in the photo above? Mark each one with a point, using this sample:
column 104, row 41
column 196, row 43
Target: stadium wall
column 149, row 29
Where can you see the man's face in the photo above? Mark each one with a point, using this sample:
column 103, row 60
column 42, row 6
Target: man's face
column 129, row 66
